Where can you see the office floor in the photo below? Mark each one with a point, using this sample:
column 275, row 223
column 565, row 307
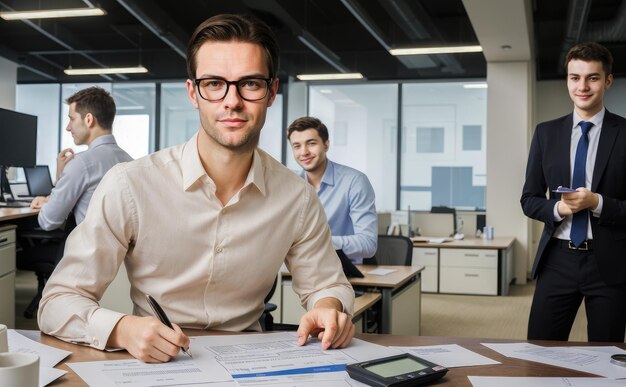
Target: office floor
column 442, row 314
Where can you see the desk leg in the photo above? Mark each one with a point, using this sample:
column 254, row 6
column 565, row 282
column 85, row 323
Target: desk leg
column 386, row 308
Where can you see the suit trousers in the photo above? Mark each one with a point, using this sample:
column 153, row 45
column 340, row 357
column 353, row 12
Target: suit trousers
column 566, row 277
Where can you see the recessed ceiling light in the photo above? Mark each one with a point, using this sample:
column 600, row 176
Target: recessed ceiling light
column 326, row 91
column 325, row 77
column 52, row 13
column 481, row 85
column 106, row 70
column 435, row 50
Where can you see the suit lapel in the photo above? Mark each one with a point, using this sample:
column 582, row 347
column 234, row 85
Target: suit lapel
column 562, row 153
column 605, row 146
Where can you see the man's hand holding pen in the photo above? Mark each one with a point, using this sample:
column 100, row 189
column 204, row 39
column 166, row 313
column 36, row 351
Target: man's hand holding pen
column 148, row 339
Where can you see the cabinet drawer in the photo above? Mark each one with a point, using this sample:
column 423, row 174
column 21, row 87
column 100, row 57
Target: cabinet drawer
column 425, row 256
column 7, row 300
column 468, row 280
column 7, row 236
column 7, row 259
column 430, row 277
column 466, row 258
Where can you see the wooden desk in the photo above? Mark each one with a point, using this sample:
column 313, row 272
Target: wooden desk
column 455, row 377
column 400, row 291
column 469, row 266
column 16, row 213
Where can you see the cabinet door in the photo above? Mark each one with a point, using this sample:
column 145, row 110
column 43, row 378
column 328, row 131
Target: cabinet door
column 469, row 271
column 429, row 258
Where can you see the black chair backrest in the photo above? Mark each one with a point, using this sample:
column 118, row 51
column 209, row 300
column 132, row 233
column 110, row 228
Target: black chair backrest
column 394, row 250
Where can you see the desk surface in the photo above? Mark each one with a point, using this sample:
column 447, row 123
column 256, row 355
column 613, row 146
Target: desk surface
column 365, row 301
column 16, row 213
column 394, row 280
column 471, row 243
column 455, row 377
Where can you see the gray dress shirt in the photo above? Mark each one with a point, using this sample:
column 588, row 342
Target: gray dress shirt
column 79, row 180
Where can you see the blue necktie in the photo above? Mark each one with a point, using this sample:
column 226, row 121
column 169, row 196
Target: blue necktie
column 578, row 234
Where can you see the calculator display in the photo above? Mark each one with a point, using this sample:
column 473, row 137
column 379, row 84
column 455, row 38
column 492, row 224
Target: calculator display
column 396, row 367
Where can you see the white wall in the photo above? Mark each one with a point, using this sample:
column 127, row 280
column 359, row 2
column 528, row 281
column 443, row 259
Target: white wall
column 508, row 118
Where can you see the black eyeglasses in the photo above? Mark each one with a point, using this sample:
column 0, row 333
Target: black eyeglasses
column 249, row 89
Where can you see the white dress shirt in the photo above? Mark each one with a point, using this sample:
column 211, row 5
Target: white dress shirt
column 209, row 266
column 563, row 231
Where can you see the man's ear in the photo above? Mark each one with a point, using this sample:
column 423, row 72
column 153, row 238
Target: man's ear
column 327, row 145
column 90, row 120
column 191, row 93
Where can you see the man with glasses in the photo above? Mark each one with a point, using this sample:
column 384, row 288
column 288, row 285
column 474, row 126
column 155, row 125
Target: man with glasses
column 203, row 227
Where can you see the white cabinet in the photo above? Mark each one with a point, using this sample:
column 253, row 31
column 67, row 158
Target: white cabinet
column 469, row 271
column 429, row 258
column 7, row 276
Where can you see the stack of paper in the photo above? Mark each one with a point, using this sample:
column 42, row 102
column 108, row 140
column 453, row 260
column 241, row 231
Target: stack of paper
column 48, row 356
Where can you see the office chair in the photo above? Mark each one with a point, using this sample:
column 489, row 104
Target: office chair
column 40, row 251
column 394, row 250
column 266, row 320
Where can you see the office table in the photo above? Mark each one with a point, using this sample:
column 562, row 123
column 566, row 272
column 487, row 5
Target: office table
column 7, row 260
column 400, row 292
column 455, row 377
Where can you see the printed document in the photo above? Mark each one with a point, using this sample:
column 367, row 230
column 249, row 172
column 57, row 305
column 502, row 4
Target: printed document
column 48, row 356
column 584, row 360
column 449, row 356
column 499, row 381
column 240, row 360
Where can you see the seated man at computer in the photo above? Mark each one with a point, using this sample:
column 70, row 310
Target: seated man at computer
column 346, row 194
column 91, row 114
column 203, row 227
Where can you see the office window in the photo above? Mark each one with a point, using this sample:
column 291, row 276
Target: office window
column 472, row 137
column 272, row 132
column 445, row 121
column 42, row 101
column 362, row 125
column 429, row 140
column 179, row 119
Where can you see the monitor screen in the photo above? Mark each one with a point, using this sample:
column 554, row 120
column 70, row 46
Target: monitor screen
column 18, row 139
column 38, row 180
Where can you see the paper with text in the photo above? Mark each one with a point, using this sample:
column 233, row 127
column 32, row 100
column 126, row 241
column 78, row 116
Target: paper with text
column 449, row 356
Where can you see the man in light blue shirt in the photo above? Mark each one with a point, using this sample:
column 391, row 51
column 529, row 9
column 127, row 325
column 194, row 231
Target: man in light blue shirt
column 346, row 194
column 91, row 115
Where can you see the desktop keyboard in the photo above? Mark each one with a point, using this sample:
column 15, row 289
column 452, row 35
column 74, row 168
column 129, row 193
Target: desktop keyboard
column 15, row 204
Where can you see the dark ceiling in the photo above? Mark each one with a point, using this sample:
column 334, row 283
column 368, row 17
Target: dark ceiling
column 154, row 33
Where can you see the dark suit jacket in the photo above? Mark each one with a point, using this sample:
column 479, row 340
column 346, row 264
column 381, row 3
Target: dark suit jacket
column 549, row 166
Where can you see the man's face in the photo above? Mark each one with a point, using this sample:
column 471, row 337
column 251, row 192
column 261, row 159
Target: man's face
column 232, row 123
column 78, row 126
column 586, row 83
column 308, row 149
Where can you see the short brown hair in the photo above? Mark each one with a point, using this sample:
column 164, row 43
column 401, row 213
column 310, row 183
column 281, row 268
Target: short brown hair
column 591, row 51
column 304, row 123
column 228, row 27
column 98, row 102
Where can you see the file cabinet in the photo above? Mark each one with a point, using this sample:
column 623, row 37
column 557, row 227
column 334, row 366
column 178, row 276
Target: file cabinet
column 7, row 275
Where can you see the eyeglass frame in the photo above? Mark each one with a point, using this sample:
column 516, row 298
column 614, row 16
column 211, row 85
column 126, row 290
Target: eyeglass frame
column 236, row 83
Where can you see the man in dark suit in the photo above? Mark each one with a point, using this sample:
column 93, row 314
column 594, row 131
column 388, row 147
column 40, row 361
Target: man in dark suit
column 582, row 251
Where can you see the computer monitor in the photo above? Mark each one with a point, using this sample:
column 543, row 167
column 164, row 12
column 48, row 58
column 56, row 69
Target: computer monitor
column 18, row 139
column 38, row 180
column 18, row 145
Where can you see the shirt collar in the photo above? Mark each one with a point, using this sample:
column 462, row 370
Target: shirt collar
column 102, row 140
column 329, row 174
column 596, row 119
column 193, row 170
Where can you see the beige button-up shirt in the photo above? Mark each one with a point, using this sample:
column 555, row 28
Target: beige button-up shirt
column 209, row 266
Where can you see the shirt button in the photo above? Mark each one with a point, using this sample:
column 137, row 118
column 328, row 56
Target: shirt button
column 218, row 249
column 96, row 342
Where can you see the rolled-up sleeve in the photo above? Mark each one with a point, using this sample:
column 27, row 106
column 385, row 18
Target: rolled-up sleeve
column 94, row 251
column 315, row 268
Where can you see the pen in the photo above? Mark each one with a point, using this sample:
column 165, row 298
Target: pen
column 158, row 311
